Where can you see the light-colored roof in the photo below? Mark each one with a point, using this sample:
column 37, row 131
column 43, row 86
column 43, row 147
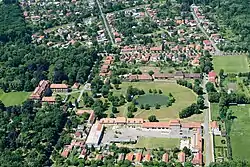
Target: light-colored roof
column 130, row 156
column 59, row 86
column 138, row 157
column 147, row 157
column 165, row 157
column 48, row 99
column 214, row 124
column 95, row 134
column 155, row 125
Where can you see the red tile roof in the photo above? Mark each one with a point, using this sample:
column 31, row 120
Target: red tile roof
column 182, row 157
column 130, row 156
column 214, row 124
column 138, row 157
column 147, row 157
column 155, row 125
column 198, row 159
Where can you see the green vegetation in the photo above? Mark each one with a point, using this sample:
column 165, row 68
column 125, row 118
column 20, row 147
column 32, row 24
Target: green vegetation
column 13, row 98
column 231, row 64
column 220, row 147
column 157, row 142
column 214, row 111
column 240, row 137
column 152, row 99
column 179, row 92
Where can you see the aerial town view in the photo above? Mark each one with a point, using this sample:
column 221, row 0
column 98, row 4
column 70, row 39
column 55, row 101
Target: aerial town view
column 125, row 83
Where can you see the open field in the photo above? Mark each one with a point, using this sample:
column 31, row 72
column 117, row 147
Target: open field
column 231, row 64
column 214, row 111
column 157, row 142
column 180, row 93
column 157, row 99
column 240, row 136
column 13, row 98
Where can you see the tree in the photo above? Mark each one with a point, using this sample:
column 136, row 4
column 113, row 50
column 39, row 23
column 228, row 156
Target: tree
column 160, row 91
column 155, row 91
column 132, row 108
column 210, row 87
column 141, row 106
column 114, row 110
column 130, row 114
column 150, row 91
column 200, row 103
column 147, row 107
column 151, row 72
column 152, row 118
column 157, row 106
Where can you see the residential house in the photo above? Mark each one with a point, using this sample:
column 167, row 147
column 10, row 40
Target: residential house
column 212, row 76
column 147, row 157
column 59, row 87
column 182, row 157
column 49, row 100
column 138, row 157
column 165, row 157
column 215, row 128
column 130, row 157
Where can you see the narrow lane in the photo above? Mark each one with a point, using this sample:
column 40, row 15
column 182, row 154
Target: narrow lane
column 105, row 22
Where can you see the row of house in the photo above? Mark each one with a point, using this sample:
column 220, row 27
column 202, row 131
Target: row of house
column 161, row 76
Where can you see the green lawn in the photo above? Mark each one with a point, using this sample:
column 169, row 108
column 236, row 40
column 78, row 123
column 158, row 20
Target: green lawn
column 157, row 142
column 231, row 64
column 184, row 97
column 214, row 111
column 240, row 132
column 13, row 98
column 152, row 99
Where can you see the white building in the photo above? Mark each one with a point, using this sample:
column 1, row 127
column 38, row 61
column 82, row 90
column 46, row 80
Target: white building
column 95, row 135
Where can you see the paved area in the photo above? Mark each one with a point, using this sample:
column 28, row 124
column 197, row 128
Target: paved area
column 118, row 133
column 208, row 138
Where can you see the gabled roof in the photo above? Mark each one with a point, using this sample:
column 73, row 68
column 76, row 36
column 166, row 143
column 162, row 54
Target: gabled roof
column 59, row 86
column 165, row 157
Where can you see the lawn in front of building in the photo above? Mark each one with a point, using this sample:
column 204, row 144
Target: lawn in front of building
column 13, row 98
column 231, row 64
column 157, row 142
column 183, row 96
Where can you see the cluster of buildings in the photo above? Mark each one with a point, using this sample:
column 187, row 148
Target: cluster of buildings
column 105, row 68
column 137, row 13
column 39, row 94
column 66, row 35
column 161, row 76
column 209, row 26
column 81, row 135
column 39, row 12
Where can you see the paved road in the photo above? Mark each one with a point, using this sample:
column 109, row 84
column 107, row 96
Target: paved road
column 217, row 51
column 105, row 22
column 208, row 137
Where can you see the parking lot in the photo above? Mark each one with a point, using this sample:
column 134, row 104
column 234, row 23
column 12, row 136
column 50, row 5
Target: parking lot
column 128, row 134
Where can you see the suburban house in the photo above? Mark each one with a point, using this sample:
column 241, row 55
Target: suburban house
column 182, row 157
column 215, row 128
column 165, row 157
column 59, row 87
column 37, row 94
column 212, row 76
column 130, row 157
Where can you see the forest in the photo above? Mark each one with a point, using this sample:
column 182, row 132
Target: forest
column 29, row 134
column 23, row 64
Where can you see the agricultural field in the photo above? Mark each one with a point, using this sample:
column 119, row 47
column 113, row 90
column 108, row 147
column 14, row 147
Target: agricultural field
column 231, row 64
column 240, row 136
column 164, row 113
column 13, row 98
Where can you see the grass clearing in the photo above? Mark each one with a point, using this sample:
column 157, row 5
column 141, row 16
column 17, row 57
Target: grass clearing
column 157, row 142
column 13, row 98
column 231, row 64
column 214, row 111
column 152, row 99
column 240, row 136
column 180, row 93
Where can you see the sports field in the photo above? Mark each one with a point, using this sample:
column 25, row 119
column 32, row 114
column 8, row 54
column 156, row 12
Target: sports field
column 152, row 99
column 157, row 142
column 183, row 96
column 231, row 64
column 13, row 98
